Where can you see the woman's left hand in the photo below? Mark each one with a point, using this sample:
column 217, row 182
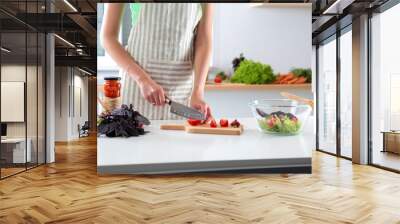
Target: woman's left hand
column 198, row 103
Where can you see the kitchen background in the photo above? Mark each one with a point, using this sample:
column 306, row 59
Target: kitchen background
column 278, row 35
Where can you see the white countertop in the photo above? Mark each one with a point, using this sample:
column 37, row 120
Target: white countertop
column 178, row 147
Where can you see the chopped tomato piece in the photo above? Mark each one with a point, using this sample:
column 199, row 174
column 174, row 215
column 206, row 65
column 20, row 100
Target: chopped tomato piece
column 194, row 122
column 217, row 79
column 213, row 124
column 224, row 123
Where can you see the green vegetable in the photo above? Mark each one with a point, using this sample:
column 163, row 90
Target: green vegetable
column 222, row 75
column 305, row 72
column 280, row 123
column 251, row 72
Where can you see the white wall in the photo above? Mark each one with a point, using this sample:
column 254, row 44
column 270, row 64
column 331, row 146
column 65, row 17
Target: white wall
column 69, row 82
column 235, row 103
column 61, row 111
column 81, row 84
column 279, row 36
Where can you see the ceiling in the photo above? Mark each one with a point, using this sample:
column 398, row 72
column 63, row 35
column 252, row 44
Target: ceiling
column 74, row 22
column 328, row 15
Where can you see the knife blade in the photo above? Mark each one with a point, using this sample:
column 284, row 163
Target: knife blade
column 184, row 111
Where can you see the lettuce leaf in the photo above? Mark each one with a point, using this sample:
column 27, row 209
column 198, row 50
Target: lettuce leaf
column 251, row 72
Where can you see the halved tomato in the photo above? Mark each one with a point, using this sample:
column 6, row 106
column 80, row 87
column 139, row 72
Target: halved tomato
column 217, row 79
column 213, row 123
column 224, row 123
column 194, row 122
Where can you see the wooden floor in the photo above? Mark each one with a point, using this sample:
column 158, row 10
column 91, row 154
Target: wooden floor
column 386, row 159
column 70, row 191
column 5, row 172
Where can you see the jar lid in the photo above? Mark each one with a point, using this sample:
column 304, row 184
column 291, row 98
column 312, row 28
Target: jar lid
column 112, row 78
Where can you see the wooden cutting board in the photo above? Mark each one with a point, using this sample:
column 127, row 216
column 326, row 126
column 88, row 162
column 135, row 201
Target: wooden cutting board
column 203, row 129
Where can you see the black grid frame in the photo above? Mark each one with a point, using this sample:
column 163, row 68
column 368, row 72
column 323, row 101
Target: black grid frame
column 340, row 31
column 381, row 9
column 43, row 119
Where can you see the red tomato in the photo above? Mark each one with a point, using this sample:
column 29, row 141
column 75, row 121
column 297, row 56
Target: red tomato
column 224, row 123
column 271, row 122
column 217, row 79
column 213, row 124
column 194, row 122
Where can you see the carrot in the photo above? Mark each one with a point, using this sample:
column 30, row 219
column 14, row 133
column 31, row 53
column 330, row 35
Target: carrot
column 280, row 77
column 293, row 80
column 288, row 77
column 284, row 81
column 301, row 80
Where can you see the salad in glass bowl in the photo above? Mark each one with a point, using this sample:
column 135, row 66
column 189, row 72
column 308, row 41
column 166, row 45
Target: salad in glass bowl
column 280, row 116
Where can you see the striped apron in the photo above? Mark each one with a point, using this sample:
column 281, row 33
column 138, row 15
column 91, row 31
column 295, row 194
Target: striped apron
column 162, row 43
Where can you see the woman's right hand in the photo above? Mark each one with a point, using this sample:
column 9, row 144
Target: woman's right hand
column 151, row 91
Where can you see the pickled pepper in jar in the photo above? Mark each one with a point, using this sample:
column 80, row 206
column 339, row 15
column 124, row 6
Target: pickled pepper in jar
column 112, row 87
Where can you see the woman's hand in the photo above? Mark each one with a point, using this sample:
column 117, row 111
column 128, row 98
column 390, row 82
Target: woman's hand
column 151, row 91
column 198, row 103
column 203, row 50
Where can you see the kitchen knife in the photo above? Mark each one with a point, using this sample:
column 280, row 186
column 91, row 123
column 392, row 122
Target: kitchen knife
column 184, row 111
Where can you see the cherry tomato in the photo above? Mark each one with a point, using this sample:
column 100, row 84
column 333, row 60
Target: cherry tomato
column 271, row 122
column 194, row 122
column 213, row 124
column 217, row 79
column 224, row 123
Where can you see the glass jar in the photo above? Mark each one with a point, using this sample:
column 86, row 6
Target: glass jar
column 112, row 87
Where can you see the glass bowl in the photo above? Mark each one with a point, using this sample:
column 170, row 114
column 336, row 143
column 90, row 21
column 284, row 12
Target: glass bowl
column 280, row 116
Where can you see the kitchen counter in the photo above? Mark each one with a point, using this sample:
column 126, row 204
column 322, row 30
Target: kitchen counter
column 162, row 151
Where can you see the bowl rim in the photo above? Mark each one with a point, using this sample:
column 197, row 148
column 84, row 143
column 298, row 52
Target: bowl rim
column 297, row 104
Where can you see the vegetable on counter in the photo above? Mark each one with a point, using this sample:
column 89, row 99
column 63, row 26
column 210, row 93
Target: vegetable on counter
column 236, row 61
column 221, row 75
column 295, row 76
column 235, row 124
column 280, row 122
column 213, row 123
column 218, row 79
column 251, row 72
column 194, row 122
column 224, row 123
column 122, row 122
column 305, row 73
column 290, row 78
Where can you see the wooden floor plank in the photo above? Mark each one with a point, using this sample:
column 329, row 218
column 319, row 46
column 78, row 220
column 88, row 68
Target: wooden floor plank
column 70, row 191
